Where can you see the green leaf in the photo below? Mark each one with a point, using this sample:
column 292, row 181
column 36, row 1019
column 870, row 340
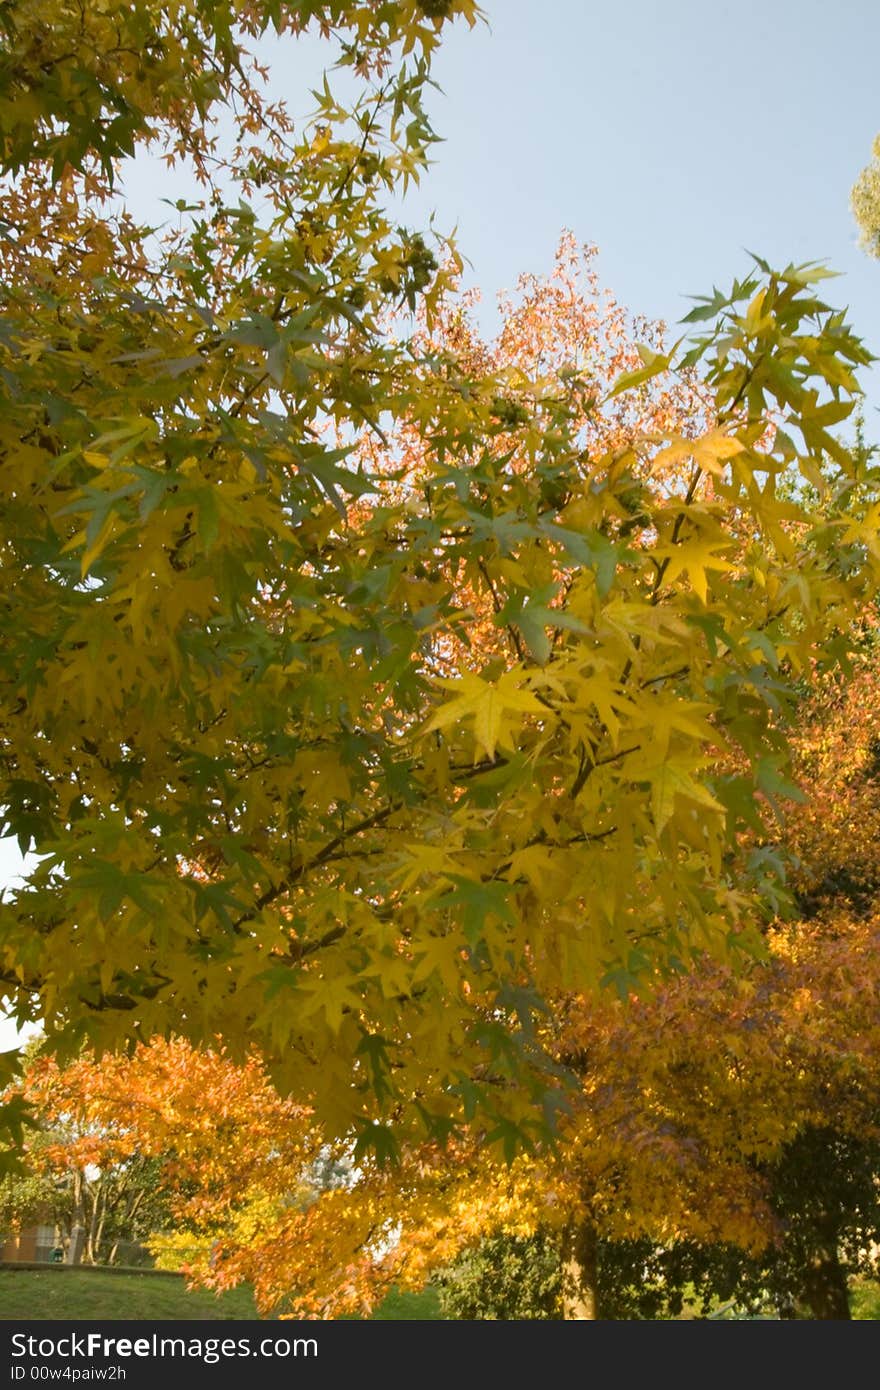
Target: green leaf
column 209, row 518
column 477, row 903
column 379, row 1142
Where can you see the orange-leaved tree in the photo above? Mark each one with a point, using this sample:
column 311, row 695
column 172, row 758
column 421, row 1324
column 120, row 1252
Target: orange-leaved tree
column 201, row 1143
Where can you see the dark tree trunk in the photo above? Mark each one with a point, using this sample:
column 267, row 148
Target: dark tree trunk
column 824, row 1292
column 580, row 1274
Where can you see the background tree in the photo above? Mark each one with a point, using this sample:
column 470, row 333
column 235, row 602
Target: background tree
column 504, row 1278
column 111, row 1199
column 170, row 1144
column 865, row 200
column 76, row 1173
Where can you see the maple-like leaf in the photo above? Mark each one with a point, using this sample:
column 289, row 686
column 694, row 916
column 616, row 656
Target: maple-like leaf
column 495, row 708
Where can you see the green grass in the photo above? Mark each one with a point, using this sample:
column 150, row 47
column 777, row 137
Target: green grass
column 92, row 1294
column 864, row 1300
column 82, row 1294
column 400, row 1307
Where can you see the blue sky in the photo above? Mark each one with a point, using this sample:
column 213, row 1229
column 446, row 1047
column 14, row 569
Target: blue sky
column 674, row 136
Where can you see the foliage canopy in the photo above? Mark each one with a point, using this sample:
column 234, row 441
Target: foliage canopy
column 359, row 753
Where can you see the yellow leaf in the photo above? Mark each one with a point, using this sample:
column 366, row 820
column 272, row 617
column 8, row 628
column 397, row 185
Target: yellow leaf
column 665, row 716
column 670, row 781
column 438, row 954
column 493, row 706
column 710, row 452
column 98, row 544
column 694, row 557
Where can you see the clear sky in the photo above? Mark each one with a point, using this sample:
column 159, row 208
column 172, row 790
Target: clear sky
column 675, row 136
column 11, row 864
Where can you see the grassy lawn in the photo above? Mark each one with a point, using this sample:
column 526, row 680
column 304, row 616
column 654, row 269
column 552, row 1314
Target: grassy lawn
column 400, row 1307
column 92, row 1294
column 864, row 1300
column 83, row 1294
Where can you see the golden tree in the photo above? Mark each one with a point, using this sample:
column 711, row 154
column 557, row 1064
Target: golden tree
column 266, row 804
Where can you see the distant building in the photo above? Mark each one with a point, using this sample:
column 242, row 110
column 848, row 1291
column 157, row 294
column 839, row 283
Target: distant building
column 32, row 1243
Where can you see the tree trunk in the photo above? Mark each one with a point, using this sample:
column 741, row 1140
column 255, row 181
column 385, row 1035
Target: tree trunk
column 99, row 1215
column 824, row 1290
column 76, row 1240
column 580, row 1275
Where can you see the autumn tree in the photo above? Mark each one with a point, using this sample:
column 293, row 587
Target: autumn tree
column 74, row 1174
column 726, row 1141
column 865, row 200
column 272, row 801
column 101, row 1204
column 723, row 1136
column 167, row 1146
